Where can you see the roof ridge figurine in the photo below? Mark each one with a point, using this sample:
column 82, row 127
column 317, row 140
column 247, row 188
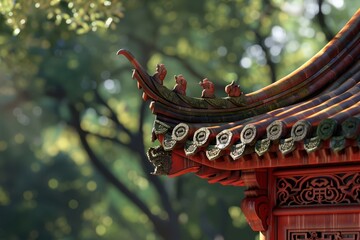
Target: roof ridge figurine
column 160, row 73
column 208, row 88
column 233, row 90
column 180, row 86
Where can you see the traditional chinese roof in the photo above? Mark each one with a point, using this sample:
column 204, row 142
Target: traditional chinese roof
column 311, row 116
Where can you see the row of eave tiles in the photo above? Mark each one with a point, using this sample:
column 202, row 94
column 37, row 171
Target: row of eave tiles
column 334, row 114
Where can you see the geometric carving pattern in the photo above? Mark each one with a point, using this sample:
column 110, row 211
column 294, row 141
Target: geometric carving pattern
column 324, row 235
column 300, row 130
column 201, row 136
column 180, row 132
column 190, row 148
column 262, row 146
column 312, row 144
column 223, row 139
column 237, row 151
column 169, row 143
column 248, row 134
column 339, row 188
column 287, row 145
column 213, row 153
column 275, row 130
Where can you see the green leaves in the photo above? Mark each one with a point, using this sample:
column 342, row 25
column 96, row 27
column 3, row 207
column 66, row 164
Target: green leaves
column 80, row 16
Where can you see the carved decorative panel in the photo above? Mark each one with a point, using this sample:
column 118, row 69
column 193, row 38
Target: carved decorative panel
column 323, row 235
column 328, row 189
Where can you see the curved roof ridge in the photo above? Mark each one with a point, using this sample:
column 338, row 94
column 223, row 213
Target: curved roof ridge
column 329, row 63
column 312, row 116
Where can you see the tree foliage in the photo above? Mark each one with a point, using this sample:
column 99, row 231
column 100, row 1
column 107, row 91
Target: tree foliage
column 82, row 16
column 74, row 128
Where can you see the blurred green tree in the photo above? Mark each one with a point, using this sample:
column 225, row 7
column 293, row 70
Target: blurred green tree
column 74, row 128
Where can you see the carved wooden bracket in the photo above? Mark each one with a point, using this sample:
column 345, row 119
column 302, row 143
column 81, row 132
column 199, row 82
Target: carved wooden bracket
column 256, row 205
column 256, row 210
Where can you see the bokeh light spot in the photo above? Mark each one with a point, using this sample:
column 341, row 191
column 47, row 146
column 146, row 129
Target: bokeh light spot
column 53, row 183
column 100, row 230
column 73, row 204
column 91, row 185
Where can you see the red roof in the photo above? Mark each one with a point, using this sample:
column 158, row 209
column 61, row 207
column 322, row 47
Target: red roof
column 311, row 116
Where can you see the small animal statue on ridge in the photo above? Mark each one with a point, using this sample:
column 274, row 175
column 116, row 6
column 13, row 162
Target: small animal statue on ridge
column 180, row 86
column 208, row 88
column 160, row 73
column 233, row 90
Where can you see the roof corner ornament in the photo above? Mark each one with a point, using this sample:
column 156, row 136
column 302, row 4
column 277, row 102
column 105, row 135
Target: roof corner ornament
column 233, row 90
column 208, row 88
column 180, row 85
column 160, row 73
column 161, row 160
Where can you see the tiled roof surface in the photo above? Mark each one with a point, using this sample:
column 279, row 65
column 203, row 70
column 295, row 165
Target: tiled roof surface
column 310, row 116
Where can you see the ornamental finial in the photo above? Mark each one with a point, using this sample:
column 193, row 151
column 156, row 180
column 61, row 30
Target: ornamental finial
column 208, row 88
column 160, row 73
column 233, row 90
column 180, row 86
